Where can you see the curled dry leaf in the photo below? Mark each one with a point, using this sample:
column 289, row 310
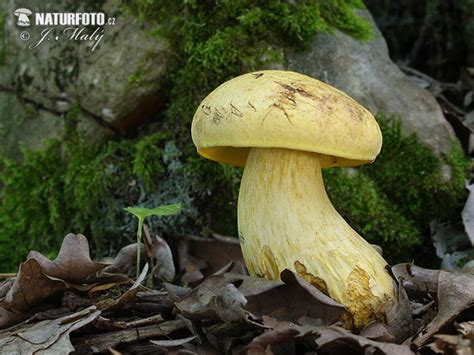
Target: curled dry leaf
column 161, row 258
column 217, row 250
column 175, row 293
column 379, row 332
column 230, row 304
column 40, row 279
column 46, row 337
column 74, row 265
column 339, row 340
column 201, row 257
column 453, row 292
column 30, row 288
column 399, row 314
column 293, row 299
column 329, row 339
column 288, row 300
column 8, row 318
column 5, row 286
column 126, row 260
column 280, row 332
column 206, row 301
column 110, row 304
column 416, row 280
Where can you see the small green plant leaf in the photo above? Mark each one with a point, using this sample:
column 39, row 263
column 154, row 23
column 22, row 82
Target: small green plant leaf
column 141, row 213
column 166, row 210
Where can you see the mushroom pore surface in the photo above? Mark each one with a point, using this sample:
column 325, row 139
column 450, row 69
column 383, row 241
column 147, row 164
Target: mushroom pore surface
column 286, row 220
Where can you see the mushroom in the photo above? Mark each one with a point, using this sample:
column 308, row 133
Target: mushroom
column 22, row 15
column 283, row 128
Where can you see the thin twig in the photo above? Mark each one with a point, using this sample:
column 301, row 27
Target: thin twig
column 146, row 321
column 7, row 275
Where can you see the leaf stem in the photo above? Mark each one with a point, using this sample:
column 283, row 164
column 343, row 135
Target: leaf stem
column 139, row 242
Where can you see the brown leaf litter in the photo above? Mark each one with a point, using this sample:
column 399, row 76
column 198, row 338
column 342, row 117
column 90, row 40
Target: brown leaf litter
column 208, row 304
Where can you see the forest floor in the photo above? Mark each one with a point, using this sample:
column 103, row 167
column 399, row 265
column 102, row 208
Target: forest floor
column 212, row 306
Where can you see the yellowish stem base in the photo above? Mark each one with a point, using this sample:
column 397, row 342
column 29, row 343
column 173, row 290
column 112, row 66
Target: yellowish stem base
column 286, row 220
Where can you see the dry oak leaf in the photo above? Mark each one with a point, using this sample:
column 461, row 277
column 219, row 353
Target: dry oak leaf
column 453, row 292
column 232, row 297
column 74, row 265
column 46, row 337
column 330, row 339
column 39, row 278
column 337, row 340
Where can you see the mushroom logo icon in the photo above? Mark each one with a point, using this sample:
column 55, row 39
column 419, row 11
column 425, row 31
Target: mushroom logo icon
column 22, row 15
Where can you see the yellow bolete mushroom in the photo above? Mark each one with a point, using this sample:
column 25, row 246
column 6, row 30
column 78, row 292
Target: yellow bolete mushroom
column 283, row 128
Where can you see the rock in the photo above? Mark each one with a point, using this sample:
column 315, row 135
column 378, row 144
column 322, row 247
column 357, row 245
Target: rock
column 469, row 265
column 365, row 72
column 23, row 124
column 109, row 83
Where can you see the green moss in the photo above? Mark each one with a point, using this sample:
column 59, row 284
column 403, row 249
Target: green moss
column 134, row 79
column 392, row 201
column 415, row 175
column 73, row 186
column 370, row 212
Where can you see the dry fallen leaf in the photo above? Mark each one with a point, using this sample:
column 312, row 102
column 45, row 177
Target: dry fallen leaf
column 46, row 337
column 453, row 292
column 31, row 287
column 74, row 265
column 398, row 315
column 288, row 300
column 326, row 339
column 206, row 300
column 339, row 340
column 40, row 279
column 293, row 299
column 110, row 304
column 216, row 251
column 378, row 331
column 280, row 332
column 126, row 260
column 201, row 257
column 160, row 256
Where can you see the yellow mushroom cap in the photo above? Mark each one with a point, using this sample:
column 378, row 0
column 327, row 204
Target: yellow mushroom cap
column 283, row 109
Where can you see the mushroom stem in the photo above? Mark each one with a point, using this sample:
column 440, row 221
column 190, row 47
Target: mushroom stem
column 286, row 220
